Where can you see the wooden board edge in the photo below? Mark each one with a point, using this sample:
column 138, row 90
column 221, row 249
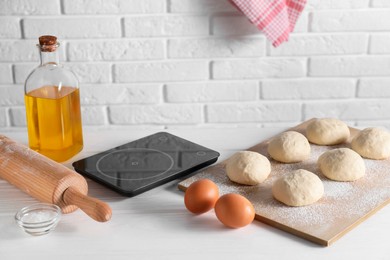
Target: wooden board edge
column 314, row 239
column 181, row 187
column 358, row 221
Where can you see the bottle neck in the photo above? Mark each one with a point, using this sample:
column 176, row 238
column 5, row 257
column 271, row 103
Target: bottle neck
column 49, row 57
column 49, row 54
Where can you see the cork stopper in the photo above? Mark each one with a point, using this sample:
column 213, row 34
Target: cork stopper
column 48, row 43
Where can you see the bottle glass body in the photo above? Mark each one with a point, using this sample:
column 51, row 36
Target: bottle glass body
column 52, row 100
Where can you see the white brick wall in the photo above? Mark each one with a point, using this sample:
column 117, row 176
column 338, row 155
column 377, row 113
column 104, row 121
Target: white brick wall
column 349, row 109
column 380, row 3
column 109, row 94
column 30, row 7
column 3, row 117
column 380, row 44
column 18, row 50
column 322, row 44
column 5, row 73
column 200, row 63
column 113, row 6
column 337, row 4
column 116, row 50
column 73, row 27
column 161, row 71
column 216, row 47
column 253, row 112
column 86, row 72
column 307, row 89
column 351, row 21
column 164, row 25
column 374, row 88
column 158, row 114
column 350, row 66
column 211, row 92
column 11, row 95
column 10, row 28
column 259, row 68
column 93, row 115
column 200, row 6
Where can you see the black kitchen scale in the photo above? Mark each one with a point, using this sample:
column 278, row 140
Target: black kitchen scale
column 146, row 163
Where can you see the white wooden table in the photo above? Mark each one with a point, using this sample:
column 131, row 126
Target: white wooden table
column 156, row 225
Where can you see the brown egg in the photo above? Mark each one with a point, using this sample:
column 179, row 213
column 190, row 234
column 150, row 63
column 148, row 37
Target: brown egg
column 234, row 210
column 201, row 196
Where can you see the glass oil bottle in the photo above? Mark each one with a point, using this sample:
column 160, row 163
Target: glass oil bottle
column 52, row 100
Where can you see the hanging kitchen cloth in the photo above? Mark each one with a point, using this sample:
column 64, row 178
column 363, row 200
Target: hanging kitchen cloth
column 276, row 18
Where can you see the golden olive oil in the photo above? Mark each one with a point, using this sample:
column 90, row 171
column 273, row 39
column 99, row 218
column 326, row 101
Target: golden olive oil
column 54, row 121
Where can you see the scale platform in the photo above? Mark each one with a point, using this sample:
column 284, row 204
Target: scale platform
column 146, row 163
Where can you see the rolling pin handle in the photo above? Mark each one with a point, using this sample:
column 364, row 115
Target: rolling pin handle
column 96, row 209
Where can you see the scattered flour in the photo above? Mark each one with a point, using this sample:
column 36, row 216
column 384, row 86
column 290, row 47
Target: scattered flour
column 342, row 205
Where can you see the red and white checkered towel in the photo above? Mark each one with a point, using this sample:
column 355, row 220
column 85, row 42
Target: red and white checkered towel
column 276, row 18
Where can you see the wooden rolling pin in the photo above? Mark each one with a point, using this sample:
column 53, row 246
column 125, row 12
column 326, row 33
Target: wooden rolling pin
column 47, row 180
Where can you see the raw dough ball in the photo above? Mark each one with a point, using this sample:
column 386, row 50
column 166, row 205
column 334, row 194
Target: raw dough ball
column 248, row 168
column 327, row 131
column 342, row 164
column 289, row 147
column 372, row 143
column 298, row 188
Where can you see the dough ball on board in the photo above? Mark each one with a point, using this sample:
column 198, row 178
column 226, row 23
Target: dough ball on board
column 342, row 164
column 249, row 168
column 372, row 143
column 289, row 147
column 298, row 188
column 327, row 131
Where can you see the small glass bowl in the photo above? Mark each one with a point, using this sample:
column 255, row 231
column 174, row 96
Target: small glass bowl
column 38, row 219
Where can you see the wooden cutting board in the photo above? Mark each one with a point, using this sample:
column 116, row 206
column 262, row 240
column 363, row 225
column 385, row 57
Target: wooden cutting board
column 343, row 206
